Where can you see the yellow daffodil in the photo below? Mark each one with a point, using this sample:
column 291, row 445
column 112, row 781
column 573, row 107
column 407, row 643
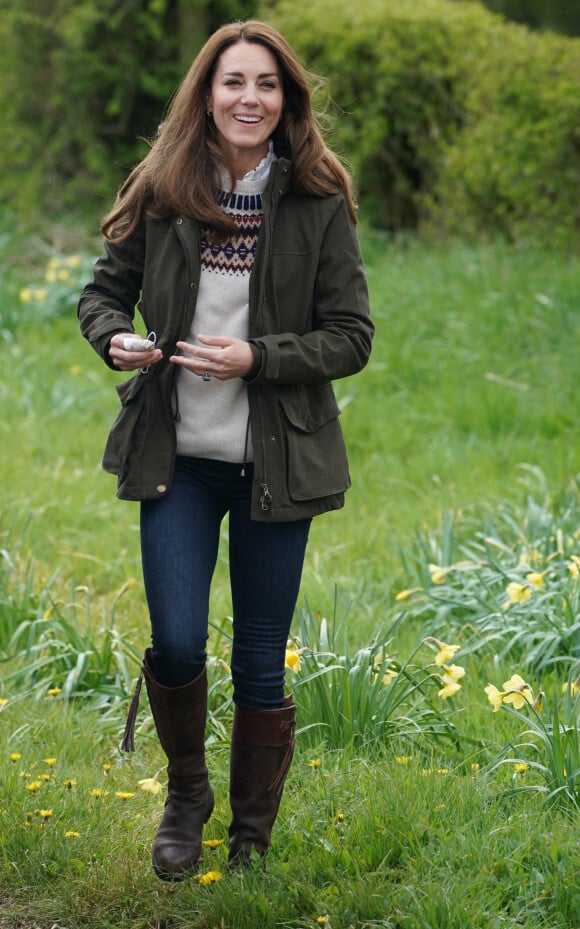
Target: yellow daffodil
column 14, row 757
column 292, row 659
column 574, row 567
column 449, row 690
column 538, row 702
column 63, row 274
column 517, row 692
column 536, row 579
column 73, row 261
column 389, row 676
column 445, row 653
column 25, row 295
column 438, row 575
column 50, row 275
column 453, row 672
column 150, row 785
column 494, row 696
column 210, row 877
column 574, row 687
column 516, row 593
column 407, row 594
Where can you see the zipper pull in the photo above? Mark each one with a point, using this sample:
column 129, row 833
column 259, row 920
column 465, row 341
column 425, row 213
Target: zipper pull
column 266, row 498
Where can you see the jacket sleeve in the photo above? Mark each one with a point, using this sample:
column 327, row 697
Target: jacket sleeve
column 339, row 342
column 107, row 304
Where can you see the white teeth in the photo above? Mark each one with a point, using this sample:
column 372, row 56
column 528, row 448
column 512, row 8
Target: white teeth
column 248, row 119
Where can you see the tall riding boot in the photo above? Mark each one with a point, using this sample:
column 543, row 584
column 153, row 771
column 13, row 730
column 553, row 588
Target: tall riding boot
column 261, row 754
column 180, row 718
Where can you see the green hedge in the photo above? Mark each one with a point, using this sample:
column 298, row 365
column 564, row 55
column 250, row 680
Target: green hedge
column 452, row 118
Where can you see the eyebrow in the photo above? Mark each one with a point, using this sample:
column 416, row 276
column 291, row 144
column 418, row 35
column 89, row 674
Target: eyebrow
column 241, row 74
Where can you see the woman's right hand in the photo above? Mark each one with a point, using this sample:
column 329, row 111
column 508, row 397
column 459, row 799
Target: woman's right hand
column 125, row 360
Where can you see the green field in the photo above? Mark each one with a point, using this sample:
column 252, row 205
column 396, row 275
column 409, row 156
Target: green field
column 464, row 453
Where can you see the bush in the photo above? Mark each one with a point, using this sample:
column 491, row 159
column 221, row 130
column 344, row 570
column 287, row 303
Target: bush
column 451, row 117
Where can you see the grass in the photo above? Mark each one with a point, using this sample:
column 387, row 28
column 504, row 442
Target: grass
column 462, row 427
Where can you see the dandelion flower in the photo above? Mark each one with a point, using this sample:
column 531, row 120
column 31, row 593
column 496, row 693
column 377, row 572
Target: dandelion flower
column 96, row 793
column 150, row 785
column 292, row 659
column 14, row 757
column 315, row 763
column 494, row 696
column 339, row 816
column 3, row 702
column 45, row 814
column 445, row 653
column 124, row 794
column 403, row 759
column 517, row 692
column 475, row 766
column 71, row 834
column 210, row 877
column 321, row 920
column 212, row 843
column 50, row 762
column 44, row 777
column 516, row 593
column 106, row 768
column 53, row 692
column 34, row 786
column 69, row 784
column 521, row 766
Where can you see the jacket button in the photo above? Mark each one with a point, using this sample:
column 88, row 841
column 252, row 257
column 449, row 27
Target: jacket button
column 161, row 488
column 192, row 285
column 179, row 221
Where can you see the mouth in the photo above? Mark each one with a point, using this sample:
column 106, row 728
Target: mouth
column 247, row 120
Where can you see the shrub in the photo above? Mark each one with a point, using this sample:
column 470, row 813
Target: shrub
column 451, row 117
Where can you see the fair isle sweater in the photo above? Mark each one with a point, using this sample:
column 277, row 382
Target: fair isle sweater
column 214, row 415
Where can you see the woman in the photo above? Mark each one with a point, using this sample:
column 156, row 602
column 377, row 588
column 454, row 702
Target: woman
column 235, row 236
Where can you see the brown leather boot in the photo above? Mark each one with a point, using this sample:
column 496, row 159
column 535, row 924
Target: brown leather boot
column 262, row 750
column 180, row 718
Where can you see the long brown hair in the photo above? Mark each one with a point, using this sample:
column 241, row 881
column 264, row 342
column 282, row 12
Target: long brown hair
column 178, row 173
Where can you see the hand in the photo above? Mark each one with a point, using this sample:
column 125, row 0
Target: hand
column 131, row 361
column 228, row 358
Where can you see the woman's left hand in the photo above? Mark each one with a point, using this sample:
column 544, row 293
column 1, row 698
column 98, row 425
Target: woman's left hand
column 217, row 356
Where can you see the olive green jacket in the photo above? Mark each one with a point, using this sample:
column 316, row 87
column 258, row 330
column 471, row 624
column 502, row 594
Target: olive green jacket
column 309, row 324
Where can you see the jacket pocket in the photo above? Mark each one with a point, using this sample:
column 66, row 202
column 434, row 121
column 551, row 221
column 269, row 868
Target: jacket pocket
column 317, row 464
column 129, row 429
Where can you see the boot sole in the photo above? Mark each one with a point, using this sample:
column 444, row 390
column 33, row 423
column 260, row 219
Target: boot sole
column 183, row 873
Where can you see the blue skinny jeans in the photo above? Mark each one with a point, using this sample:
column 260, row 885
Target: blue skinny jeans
column 179, row 547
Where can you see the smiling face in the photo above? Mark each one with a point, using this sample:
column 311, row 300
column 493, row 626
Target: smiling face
column 246, row 101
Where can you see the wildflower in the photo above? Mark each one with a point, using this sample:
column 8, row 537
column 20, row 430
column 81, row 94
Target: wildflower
column 538, row 702
column 437, row 574
column 445, row 653
column 449, row 690
column 427, row 772
column 407, row 594
column 25, row 295
column 315, row 763
column 403, row 759
column 516, row 593
column 40, row 294
column 14, row 757
column 517, row 692
column 50, row 275
column 212, row 843
column 293, row 659
column 453, row 673
column 63, row 274
column 106, row 768
column 439, row 806
column 574, row 687
column 475, row 767
column 124, row 794
column 3, row 702
column 71, row 834
column 442, row 770
column 53, row 263
column 75, row 370
column 34, row 786
column 53, row 692
column 389, row 676
column 321, row 920
column 574, row 567
column 73, row 261
column 45, row 814
column 150, row 785
column 494, row 696
column 339, row 816
column 50, row 762
column 536, row 579
column 209, row 877
column 70, row 784
column 521, row 766
column 44, row 777
column 96, row 793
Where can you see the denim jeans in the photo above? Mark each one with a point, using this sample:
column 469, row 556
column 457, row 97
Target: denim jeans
column 179, row 546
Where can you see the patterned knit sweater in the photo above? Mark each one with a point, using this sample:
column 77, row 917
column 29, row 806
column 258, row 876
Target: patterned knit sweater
column 214, row 415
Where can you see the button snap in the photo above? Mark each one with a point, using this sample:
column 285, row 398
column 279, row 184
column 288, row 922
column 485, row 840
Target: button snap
column 161, row 488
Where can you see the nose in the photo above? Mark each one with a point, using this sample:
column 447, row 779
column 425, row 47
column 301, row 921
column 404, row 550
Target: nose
column 250, row 95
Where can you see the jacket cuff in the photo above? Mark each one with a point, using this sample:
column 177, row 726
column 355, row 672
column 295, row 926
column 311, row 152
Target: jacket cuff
column 258, row 362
